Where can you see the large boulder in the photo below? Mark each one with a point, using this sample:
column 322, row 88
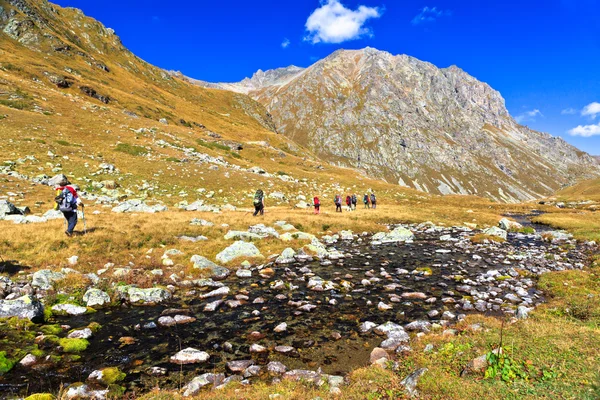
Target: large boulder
column 399, row 234
column 7, row 208
column 209, row 269
column 25, row 307
column 237, row 250
column 43, row 279
column 96, row 298
column 495, row 231
column 509, row 225
column 286, row 257
column 57, row 179
column 199, row 382
column 143, row 296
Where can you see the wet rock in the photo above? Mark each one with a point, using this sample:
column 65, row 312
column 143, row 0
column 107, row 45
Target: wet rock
column 199, row 382
column 395, row 340
column 68, row 309
column 209, row 269
column 366, row 326
column 167, row 321
column 96, row 298
column 223, row 291
column 78, row 391
column 257, row 348
column 388, row 329
column 399, row 234
column 238, row 366
column 25, row 307
column 414, row 296
column 285, row 349
column 237, row 250
column 251, row 371
column 190, row 356
column 84, row 333
column 212, row 306
column 280, row 328
column 410, row 382
column 156, row 371
column 28, row 360
column 243, row 273
column 144, row 296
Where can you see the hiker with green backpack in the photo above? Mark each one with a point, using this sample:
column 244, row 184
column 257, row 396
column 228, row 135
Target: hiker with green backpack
column 259, row 202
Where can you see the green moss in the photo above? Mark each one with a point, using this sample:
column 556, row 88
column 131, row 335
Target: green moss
column 73, row 345
column 94, row 327
column 5, row 363
column 112, row 375
column 47, row 313
column 40, row 396
column 173, row 159
column 116, row 391
column 51, row 329
column 502, row 277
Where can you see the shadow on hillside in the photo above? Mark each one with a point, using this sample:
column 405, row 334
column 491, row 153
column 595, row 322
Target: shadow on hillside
column 87, row 232
column 12, row 267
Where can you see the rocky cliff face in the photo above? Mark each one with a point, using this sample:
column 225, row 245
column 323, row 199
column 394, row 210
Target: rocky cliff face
column 407, row 121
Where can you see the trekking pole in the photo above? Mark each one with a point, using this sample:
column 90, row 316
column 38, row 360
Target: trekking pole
column 83, row 215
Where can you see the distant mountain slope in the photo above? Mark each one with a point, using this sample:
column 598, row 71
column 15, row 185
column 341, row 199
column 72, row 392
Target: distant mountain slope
column 407, row 121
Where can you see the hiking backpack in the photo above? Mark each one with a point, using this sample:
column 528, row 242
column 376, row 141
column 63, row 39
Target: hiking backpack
column 373, row 200
column 316, row 201
column 258, row 197
column 63, row 202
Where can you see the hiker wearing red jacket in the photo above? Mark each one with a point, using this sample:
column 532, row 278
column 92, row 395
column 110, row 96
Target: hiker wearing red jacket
column 317, row 204
column 348, row 203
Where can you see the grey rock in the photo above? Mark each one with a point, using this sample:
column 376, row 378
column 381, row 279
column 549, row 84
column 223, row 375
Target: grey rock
column 410, row 382
column 96, row 298
column 237, row 250
column 25, row 307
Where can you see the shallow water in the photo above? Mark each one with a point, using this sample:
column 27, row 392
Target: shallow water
column 308, row 332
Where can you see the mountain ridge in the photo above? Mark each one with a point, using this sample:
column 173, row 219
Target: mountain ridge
column 459, row 135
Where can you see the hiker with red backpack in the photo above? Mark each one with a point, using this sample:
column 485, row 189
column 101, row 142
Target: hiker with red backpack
column 67, row 200
column 317, row 204
column 348, row 203
column 338, row 203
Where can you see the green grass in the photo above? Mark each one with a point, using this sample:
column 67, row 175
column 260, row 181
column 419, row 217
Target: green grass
column 213, row 145
column 132, row 150
column 16, row 104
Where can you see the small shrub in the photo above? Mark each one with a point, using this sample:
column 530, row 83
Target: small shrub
column 131, row 149
column 63, row 143
column 16, row 104
column 173, row 159
column 325, row 227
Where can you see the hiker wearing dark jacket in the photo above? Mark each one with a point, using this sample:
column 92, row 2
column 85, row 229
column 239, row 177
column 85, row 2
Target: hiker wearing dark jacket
column 373, row 200
column 366, row 201
column 67, row 200
column 338, row 203
column 354, row 201
column 259, row 203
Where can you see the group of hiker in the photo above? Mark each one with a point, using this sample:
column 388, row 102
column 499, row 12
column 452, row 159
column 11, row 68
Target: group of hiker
column 370, row 201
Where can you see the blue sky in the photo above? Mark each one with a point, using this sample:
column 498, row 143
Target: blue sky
column 543, row 56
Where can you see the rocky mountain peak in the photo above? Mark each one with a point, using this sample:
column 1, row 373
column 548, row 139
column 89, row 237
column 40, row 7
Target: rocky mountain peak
column 439, row 130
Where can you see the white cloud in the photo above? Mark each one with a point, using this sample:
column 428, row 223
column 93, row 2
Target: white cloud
column 585, row 130
column 528, row 116
column 285, row 44
column 334, row 23
column 429, row 14
column 569, row 111
column 592, row 110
